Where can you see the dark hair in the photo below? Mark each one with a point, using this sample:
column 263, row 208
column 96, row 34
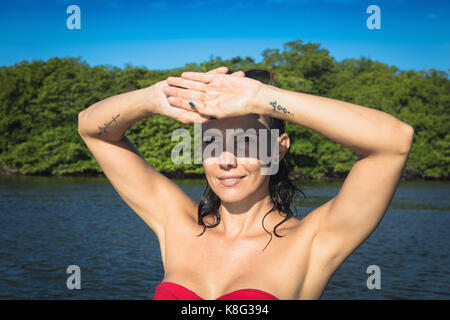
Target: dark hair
column 281, row 189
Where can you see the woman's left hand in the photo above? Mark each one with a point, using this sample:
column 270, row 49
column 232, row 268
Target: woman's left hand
column 217, row 95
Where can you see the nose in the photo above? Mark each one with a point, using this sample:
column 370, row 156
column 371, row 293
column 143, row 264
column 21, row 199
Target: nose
column 227, row 159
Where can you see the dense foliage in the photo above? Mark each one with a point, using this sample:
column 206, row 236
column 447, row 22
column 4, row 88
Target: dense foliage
column 40, row 102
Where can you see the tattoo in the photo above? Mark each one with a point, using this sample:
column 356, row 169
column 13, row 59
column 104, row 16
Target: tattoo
column 107, row 125
column 278, row 107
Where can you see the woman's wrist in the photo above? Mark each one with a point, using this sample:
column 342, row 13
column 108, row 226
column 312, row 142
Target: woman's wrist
column 149, row 103
column 110, row 118
column 266, row 103
column 261, row 104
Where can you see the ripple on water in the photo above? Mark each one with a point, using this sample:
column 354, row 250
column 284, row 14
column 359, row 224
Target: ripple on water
column 49, row 224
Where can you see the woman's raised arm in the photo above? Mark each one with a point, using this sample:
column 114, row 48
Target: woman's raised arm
column 383, row 143
column 147, row 192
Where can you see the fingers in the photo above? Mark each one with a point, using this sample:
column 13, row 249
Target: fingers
column 198, row 76
column 191, row 105
column 224, row 70
column 195, row 85
column 190, row 117
column 219, row 70
column 188, row 84
column 184, row 93
column 186, row 104
column 238, row 73
column 207, row 77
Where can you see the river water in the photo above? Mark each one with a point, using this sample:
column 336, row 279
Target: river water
column 50, row 223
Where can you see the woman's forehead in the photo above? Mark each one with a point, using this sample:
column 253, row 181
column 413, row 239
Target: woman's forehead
column 248, row 121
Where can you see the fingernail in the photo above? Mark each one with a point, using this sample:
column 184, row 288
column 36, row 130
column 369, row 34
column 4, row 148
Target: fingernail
column 212, row 118
column 192, row 105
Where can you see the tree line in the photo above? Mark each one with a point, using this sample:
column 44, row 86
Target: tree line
column 40, row 102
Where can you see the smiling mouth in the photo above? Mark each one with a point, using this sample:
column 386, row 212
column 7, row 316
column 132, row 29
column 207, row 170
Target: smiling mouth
column 232, row 181
column 231, row 178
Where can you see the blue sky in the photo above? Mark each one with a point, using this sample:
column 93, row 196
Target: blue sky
column 165, row 34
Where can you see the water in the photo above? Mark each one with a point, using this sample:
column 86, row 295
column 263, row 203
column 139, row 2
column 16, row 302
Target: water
column 49, row 223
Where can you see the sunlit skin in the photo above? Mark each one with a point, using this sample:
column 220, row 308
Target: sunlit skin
column 243, row 205
column 229, row 257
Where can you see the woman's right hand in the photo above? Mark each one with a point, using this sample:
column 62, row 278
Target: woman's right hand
column 162, row 106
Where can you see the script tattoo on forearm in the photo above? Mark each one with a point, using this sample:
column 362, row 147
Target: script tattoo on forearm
column 107, row 125
column 280, row 108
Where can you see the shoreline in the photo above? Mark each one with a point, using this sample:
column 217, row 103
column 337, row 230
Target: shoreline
column 296, row 176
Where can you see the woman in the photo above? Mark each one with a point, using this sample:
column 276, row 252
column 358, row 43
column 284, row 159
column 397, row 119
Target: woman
column 219, row 249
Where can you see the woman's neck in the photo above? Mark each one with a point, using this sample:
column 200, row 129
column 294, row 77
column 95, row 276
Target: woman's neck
column 240, row 219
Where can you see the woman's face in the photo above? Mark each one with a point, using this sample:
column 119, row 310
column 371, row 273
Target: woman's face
column 240, row 161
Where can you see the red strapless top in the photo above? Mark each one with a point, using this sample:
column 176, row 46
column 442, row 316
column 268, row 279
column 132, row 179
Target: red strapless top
column 172, row 291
